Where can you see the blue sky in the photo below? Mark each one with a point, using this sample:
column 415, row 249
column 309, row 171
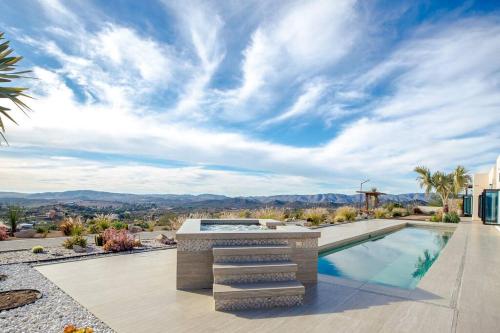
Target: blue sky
column 251, row 97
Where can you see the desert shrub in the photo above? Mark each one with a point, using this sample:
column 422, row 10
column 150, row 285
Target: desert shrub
column 93, row 229
column 14, row 215
column 37, row 249
column 315, row 215
column 77, row 230
column 119, row 225
column 175, row 222
column 417, row 210
column 144, row 225
column 397, row 212
column 71, row 226
column 381, row 213
column 75, row 240
column 391, row 205
column 234, row 214
column 338, row 219
column 151, row 226
column 137, row 243
column 199, row 215
column 117, row 240
column 41, row 229
column 451, row 217
column 437, row 217
column 346, row 213
column 269, row 213
column 4, row 234
column 102, row 222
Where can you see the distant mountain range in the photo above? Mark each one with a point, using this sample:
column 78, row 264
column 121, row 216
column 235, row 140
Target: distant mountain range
column 196, row 201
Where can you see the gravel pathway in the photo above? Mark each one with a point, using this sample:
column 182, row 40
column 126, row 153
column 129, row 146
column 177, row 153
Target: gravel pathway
column 50, row 313
column 56, row 253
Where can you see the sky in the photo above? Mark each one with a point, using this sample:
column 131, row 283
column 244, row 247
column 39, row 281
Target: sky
column 251, row 97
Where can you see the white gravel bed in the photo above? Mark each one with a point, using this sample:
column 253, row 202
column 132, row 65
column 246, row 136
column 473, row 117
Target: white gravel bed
column 50, row 313
column 59, row 252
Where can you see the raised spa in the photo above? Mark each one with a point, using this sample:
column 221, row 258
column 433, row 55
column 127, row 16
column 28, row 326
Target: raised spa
column 248, row 263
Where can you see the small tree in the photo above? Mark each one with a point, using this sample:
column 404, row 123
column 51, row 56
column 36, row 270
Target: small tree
column 14, row 215
column 445, row 185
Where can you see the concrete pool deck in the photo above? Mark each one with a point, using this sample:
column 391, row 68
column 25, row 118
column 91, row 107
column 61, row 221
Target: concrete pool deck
column 460, row 293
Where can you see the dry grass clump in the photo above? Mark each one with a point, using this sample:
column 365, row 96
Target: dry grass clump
column 176, row 222
column 234, row 214
column 198, row 215
column 381, row 213
column 345, row 213
column 269, row 213
column 397, row 211
column 72, row 226
column 315, row 215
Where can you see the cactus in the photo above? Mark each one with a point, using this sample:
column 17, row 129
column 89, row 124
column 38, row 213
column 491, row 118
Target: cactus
column 99, row 240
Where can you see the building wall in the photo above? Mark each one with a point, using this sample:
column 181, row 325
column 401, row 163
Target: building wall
column 480, row 183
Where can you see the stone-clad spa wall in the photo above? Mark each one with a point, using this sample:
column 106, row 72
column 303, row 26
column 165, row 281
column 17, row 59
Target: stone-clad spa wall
column 195, row 257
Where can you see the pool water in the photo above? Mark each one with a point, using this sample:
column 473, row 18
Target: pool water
column 398, row 259
column 232, row 227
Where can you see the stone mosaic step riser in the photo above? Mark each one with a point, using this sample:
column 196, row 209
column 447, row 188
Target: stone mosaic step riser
column 254, row 278
column 257, row 302
column 251, row 258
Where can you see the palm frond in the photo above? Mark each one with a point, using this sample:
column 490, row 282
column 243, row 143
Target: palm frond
column 8, row 73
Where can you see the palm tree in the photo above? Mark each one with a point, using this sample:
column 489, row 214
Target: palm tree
column 424, row 179
column 14, row 215
column 460, row 180
column 443, row 184
column 7, row 74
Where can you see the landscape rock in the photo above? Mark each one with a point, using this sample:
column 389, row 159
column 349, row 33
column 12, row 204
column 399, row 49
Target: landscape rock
column 134, row 229
column 79, row 249
column 28, row 233
column 164, row 239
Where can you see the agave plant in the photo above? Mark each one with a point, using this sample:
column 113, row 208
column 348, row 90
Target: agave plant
column 8, row 72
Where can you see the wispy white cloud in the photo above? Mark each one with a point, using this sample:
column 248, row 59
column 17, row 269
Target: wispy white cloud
column 429, row 101
column 305, row 38
column 313, row 92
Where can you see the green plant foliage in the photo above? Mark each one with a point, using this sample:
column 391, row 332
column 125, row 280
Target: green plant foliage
column 381, row 213
column 451, row 217
column 399, row 212
column 345, row 213
column 119, row 225
column 8, row 73
column 315, row 215
column 75, row 240
column 37, row 249
column 14, row 215
column 437, row 217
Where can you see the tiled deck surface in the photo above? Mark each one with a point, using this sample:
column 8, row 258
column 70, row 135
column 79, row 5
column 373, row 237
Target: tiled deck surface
column 136, row 293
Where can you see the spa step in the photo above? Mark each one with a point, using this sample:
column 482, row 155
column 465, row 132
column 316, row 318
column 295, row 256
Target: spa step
column 264, row 253
column 254, row 272
column 257, row 295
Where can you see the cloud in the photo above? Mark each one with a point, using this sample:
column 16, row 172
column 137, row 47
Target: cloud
column 59, row 174
column 428, row 100
column 304, row 39
column 313, row 91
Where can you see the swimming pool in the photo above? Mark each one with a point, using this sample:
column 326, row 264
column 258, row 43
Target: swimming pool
column 398, row 259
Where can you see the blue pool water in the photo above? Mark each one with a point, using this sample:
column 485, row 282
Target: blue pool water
column 398, row 259
column 232, row 227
